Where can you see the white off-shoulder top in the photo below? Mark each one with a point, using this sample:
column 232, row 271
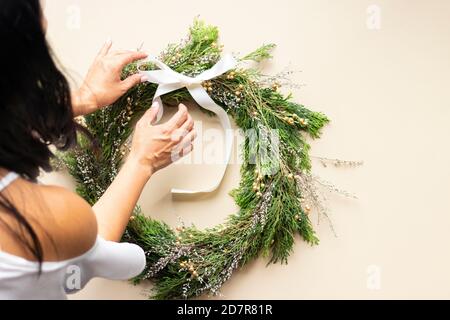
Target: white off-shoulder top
column 19, row 278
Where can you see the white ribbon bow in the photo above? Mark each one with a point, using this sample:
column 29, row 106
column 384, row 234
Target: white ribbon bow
column 169, row 80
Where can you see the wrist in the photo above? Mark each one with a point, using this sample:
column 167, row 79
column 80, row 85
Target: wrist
column 142, row 168
column 84, row 101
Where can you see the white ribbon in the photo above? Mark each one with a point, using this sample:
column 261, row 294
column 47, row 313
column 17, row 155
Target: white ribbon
column 169, row 80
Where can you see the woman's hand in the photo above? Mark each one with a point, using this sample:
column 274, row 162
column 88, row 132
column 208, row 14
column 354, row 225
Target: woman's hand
column 155, row 147
column 103, row 85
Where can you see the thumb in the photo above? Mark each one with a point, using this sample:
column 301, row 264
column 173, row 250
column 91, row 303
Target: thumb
column 132, row 81
column 150, row 115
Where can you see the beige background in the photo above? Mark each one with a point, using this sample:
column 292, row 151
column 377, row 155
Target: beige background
column 387, row 93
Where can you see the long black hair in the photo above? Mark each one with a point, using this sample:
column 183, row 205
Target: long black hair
column 35, row 104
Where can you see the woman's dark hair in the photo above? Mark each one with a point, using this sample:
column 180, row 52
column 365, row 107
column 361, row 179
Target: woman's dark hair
column 35, row 104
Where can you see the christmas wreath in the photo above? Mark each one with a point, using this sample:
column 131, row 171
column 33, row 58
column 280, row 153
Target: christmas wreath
column 274, row 197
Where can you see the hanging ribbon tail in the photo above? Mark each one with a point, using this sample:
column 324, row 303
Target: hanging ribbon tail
column 204, row 100
column 168, row 81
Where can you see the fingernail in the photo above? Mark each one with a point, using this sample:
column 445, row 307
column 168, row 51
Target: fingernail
column 144, row 79
column 108, row 41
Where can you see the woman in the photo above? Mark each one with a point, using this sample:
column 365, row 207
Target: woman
column 51, row 241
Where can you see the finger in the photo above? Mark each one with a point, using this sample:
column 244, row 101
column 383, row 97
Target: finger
column 179, row 153
column 121, row 52
column 150, row 115
column 127, row 58
column 179, row 134
column 132, row 81
column 179, row 118
column 188, row 139
column 188, row 125
column 105, row 49
column 185, row 129
column 187, row 150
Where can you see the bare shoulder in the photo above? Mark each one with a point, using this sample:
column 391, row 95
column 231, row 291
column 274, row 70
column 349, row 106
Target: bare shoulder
column 73, row 223
column 64, row 222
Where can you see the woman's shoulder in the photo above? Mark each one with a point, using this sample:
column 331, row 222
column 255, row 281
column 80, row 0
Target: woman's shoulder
column 74, row 226
column 64, row 222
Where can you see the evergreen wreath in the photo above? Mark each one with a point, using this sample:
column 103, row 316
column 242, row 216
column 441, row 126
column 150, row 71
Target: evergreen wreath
column 273, row 206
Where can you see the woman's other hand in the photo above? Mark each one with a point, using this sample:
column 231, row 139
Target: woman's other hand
column 156, row 146
column 103, row 85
